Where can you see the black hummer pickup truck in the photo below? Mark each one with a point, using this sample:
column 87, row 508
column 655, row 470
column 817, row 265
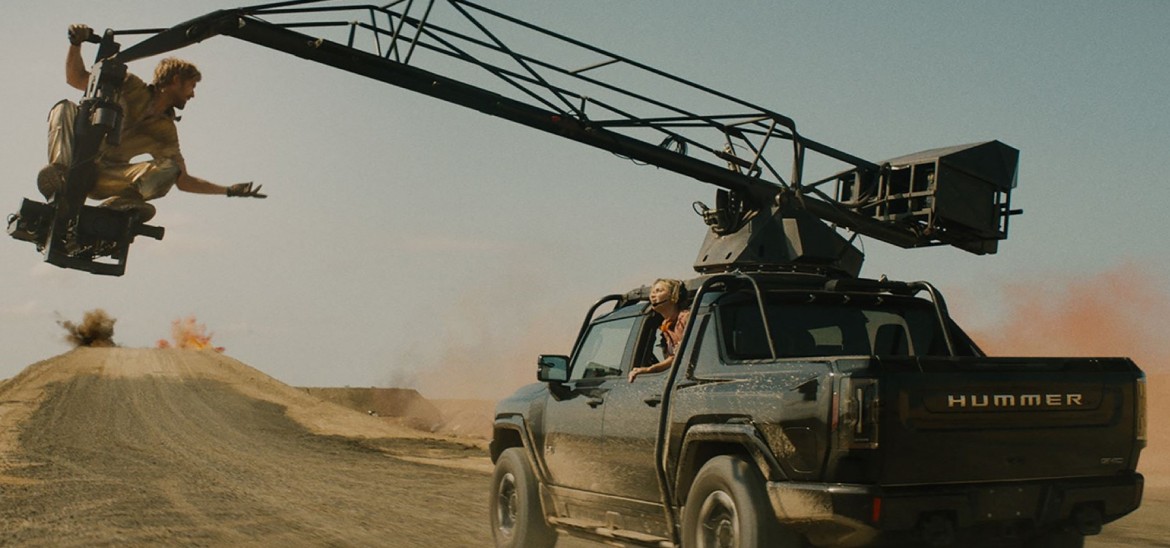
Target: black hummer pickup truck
column 807, row 410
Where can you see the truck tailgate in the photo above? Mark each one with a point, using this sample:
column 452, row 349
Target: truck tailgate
column 996, row 419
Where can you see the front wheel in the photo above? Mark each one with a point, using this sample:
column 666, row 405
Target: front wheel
column 516, row 514
column 727, row 506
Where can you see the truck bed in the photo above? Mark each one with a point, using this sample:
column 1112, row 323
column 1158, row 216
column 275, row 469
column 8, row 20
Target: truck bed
column 963, row 420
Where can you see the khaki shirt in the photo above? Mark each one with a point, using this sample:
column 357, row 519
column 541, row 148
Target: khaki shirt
column 143, row 134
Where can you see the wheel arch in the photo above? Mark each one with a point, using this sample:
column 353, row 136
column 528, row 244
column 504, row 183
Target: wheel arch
column 512, row 431
column 706, row 441
column 505, row 435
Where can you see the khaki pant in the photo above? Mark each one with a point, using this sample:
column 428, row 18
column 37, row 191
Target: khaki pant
column 145, row 180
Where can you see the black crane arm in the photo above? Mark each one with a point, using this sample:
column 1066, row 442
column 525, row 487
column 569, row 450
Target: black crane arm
column 245, row 24
column 681, row 126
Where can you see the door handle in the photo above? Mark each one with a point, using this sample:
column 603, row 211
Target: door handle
column 594, row 402
column 654, row 400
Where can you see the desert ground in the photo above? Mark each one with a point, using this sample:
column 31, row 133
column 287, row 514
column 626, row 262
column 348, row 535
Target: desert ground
column 104, row 446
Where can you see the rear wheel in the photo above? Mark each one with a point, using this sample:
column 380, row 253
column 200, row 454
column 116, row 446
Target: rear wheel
column 516, row 514
column 728, row 507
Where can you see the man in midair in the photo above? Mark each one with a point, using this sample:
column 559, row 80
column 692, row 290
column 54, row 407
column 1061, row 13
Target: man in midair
column 148, row 127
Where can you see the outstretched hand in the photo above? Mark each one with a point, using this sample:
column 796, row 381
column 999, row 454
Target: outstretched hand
column 245, row 190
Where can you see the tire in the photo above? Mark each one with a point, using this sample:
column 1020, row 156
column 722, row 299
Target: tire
column 728, row 506
column 516, row 514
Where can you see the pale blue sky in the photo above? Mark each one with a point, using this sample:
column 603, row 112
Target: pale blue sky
column 405, row 235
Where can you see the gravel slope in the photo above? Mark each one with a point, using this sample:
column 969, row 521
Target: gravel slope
column 115, row 446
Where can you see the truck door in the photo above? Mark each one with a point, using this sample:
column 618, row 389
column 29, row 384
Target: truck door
column 574, row 415
column 632, row 413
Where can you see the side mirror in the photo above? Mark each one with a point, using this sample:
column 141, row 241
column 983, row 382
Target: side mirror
column 552, row 368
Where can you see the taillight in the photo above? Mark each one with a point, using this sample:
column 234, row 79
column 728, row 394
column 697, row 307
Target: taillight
column 1141, row 411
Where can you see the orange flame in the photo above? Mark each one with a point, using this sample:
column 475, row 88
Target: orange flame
column 188, row 334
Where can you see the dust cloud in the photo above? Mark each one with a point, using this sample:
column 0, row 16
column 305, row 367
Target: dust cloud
column 96, row 329
column 486, row 342
column 489, row 360
column 1118, row 312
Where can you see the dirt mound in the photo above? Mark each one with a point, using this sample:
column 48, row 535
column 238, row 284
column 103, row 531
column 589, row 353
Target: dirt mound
column 134, row 446
column 318, row 416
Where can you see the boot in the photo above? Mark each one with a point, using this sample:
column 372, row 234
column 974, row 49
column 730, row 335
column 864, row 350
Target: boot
column 51, row 181
column 142, row 210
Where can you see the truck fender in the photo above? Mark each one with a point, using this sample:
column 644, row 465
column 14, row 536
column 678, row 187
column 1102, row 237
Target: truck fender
column 704, row 441
column 512, row 431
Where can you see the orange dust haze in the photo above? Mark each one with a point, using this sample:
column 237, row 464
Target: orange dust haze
column 1120, row 312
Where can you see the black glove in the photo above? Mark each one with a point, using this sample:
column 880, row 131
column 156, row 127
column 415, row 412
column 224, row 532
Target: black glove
column 245, row 190
column 79, row 34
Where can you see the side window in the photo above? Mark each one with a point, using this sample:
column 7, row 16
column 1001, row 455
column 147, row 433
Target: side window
column 601, row 352
column 798, row 331
column 743, row 332
column 889, row 334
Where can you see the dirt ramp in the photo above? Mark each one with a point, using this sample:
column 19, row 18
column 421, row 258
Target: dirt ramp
column 139, row 447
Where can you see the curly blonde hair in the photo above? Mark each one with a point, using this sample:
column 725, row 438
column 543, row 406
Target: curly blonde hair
column 170, row 68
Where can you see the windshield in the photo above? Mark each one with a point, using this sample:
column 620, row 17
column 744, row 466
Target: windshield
column 830, row 324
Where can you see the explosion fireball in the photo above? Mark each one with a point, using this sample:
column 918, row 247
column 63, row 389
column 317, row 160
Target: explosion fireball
column 189, row 334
